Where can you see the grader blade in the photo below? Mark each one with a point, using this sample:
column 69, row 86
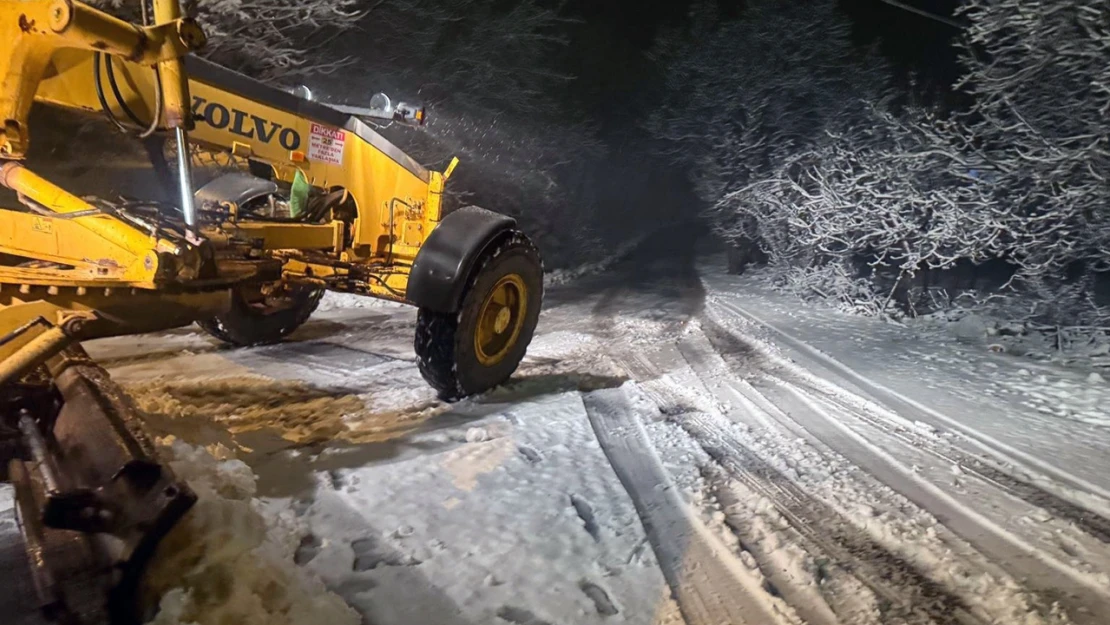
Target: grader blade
column 92, row 499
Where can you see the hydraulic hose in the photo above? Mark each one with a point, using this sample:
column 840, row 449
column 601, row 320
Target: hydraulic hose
column 100, row 94
column 99, row 83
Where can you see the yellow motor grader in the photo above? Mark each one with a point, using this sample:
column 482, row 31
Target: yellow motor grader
column 324, row 203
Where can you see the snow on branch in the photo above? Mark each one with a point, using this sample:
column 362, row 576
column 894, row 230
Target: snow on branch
column 275, row 40
column 789, row 134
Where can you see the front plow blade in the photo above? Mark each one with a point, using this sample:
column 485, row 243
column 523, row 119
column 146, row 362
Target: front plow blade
column 92, row 499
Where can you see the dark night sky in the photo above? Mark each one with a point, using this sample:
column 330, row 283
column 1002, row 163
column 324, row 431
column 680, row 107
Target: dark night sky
column 911, row 42
column 607, row 50
column 906, row 38
column 632, row 21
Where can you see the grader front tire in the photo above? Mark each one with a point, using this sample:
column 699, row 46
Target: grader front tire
column 481, row 345
column 249, row 324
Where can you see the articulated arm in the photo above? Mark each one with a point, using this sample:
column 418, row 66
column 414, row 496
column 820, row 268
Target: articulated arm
column 391, row 202
column 34, row 34
column 31, row 31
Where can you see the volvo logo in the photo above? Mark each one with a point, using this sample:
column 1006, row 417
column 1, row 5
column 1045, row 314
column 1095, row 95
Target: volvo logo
column 244, row 124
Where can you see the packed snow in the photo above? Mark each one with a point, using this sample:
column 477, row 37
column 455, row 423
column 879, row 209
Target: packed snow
column 805, row 464
column 231, row 560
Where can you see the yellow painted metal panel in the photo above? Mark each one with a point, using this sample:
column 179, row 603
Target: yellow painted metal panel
column 277, row 236
column 333, row 156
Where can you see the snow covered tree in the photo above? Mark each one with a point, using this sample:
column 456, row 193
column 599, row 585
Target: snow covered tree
column 746, row 98
column 745, row 94
column 792, row 140
column 279, row 40
column 872, row 206
column 1040, row 76
column 275, row 40
column 479, row 53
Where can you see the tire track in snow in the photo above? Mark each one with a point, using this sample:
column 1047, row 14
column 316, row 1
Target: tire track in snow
column 1092, row 523
column 793, row 408
column 1041, row 572
column 911, row 597
column 711, row 586
column 1084, row 518
column 904, row 593
column 907, row 406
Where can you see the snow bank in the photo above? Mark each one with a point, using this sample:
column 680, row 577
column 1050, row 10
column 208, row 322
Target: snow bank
column 1082, row 346
column 230, row 560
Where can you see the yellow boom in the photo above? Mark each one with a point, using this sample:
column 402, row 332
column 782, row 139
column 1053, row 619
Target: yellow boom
column 328, row 204
column 375, row 222
column 397, row 201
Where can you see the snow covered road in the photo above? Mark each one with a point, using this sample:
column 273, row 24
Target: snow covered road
column 679, row 446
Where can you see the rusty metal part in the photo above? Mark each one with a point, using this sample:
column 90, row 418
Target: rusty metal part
column 46, row 345
column 93, row 498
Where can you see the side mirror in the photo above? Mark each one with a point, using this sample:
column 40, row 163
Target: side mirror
column 381, row 105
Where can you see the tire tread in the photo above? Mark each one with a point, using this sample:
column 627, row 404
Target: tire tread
column 244, row 328
column 437, row 333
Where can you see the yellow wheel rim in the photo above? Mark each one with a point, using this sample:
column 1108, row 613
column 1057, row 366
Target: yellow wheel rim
column 500, row 319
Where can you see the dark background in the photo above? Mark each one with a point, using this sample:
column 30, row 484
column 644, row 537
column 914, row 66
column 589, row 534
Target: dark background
column 616, row 78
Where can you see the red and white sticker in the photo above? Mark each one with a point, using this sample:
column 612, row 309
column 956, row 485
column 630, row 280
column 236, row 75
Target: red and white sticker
column 325, row 145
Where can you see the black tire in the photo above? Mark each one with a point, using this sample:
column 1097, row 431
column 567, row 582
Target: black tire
column 246, row 325
column 445, row 342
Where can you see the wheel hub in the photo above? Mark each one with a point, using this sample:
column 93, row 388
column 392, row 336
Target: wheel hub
column 501, row 322
column 500, row 319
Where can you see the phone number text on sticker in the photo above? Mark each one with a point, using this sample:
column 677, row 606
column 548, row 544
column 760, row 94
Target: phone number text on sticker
column 325, row 145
